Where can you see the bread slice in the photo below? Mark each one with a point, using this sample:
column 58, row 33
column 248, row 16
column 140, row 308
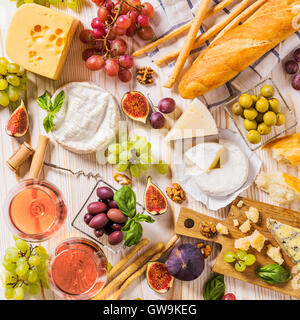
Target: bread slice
column 286, row 149
column 282, row 187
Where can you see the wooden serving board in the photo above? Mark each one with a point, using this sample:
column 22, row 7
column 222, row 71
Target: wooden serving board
column 283, row 215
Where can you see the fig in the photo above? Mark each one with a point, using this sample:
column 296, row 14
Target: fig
column 18, row 122
column 185, row 262
column 158, row 277
column 155, row 201
column 135, row 105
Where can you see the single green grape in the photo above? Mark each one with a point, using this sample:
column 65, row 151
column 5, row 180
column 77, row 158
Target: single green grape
column 229, row 256
column 122, row 167
column 3, row 61
column 34, row 260
column 41, row 252
column 34, row 288
column 21, row 261
column 13, row 80
column 249, row 260
column 112, row 159
column 22, row 269
column 3, row 69
column 13, row 68
column 114, row 148
column 21, row 72
column 4, row 99
column 13, row 94
column 3, row 84
column 241, row 254
column 9, row 293
column 9, row 266
column 162, row 167
column 32, row 276
column 126, row 146
column 12, row 253
column 135, row 171
column 240, row 266
column 21, row 245
column 8, row 278
column 72, row 4
column 19, row 293
column 124, row 157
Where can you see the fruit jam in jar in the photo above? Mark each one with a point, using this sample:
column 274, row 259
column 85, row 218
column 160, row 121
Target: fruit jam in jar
column 77, row 269
column 36, row 210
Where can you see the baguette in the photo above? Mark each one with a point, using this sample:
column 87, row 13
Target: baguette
column 241, row 46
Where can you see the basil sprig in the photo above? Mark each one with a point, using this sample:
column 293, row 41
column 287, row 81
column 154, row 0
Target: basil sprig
column 126, row 201
column 273, row 273
column 44, row 102
column 214, row 288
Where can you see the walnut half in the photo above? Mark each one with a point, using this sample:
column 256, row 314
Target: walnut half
column 208, row 229
column 205, row 249
column 122, row 179
column 175, row 193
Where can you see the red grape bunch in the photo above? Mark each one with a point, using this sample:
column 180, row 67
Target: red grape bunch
column 292, row 67
column 115, row 18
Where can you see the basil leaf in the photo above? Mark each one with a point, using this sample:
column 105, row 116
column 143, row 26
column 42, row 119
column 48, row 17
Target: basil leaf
column 128, row 225
column 134, row 234
column 126, row 201
column 48, row 122
column 44, row 101
column 214, row 288
column 143, row 217
column 273, row 273
column 58, row 101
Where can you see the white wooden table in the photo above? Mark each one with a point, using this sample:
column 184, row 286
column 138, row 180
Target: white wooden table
column 76, row 190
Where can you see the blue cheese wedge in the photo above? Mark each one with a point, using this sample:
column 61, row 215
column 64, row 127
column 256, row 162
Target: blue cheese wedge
column 287, row 237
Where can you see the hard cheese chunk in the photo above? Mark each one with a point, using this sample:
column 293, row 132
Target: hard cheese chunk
column 196, row 121
column 275, row 254
column 287, row 237
column 39, row 38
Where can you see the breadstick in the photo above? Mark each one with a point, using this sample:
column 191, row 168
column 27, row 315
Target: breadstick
column 218, row 7
column 127, row 283
column 246, row 13
column 116, row 282
column 129, row 255
column 209, row 33
column 188, row 43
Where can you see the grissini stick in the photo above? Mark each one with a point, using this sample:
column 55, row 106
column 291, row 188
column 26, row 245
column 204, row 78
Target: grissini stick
column 137, row 274
column 188, row 43
column 116, row 282
column 208, row 34
column 128, row 256
column 240, row 47
column 39, row 157
column 245, row 14
column 216, row 8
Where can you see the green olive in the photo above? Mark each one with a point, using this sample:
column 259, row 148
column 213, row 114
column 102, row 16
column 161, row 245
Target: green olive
column 250, row 124
column 280, row 119
column 253, row 137
column 270, row 118
column 260, row 117
column 245, row 100
column 262, row 105
column 263, row 129
column 267, row 91
column 237, row 109
column 254, row 98
column 250, row 113
column 274, row 105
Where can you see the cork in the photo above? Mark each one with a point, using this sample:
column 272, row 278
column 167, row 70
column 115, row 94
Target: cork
column 19, row 156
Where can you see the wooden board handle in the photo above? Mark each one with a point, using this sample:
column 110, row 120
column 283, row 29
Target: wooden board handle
column 38, row 158
column 20, row 156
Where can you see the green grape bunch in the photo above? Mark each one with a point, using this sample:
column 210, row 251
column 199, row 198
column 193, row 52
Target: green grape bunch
column 72, row 4
column 25, row 270
column 134, row 153
column 241, row 258
column 12, row 83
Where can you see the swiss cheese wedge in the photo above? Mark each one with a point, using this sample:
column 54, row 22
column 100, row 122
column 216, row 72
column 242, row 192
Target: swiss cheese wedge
column 195, row 122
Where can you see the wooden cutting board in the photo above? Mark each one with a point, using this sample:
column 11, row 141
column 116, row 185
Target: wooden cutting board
column 283, row 215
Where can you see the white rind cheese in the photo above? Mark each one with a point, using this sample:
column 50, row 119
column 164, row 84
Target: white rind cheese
column 287, row 237
column 88, row 119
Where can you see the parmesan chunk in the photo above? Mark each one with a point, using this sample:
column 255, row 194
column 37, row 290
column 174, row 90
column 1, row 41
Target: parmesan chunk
column 242, row 243
column 246, row 226
column 275, row 254
column 221, row 228
column 252, row 214
column 235, row 222
column 257, row 240
column 240, row 204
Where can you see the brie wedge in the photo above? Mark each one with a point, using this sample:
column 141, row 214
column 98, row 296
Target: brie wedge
column 196, row 121
column 204, row 155
column 88, row 119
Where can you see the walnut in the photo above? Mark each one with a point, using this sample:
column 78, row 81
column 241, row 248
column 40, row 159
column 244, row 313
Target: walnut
column 208, row 229
column 205, row 249
column 176, row 193
column 122, row 179
column 145, row 75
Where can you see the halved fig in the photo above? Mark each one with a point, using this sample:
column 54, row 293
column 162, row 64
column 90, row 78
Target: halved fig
column 135, row 105
column 158, row 277
column 155, row 201
column 18, row 122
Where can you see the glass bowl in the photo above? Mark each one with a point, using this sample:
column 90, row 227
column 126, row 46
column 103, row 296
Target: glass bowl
column 79, row 224
column 290, row 119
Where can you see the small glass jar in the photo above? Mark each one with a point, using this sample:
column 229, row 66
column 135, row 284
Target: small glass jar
column 77, row 269
column 35, row 210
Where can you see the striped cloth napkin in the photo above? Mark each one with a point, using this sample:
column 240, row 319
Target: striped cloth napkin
column 171, row 14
